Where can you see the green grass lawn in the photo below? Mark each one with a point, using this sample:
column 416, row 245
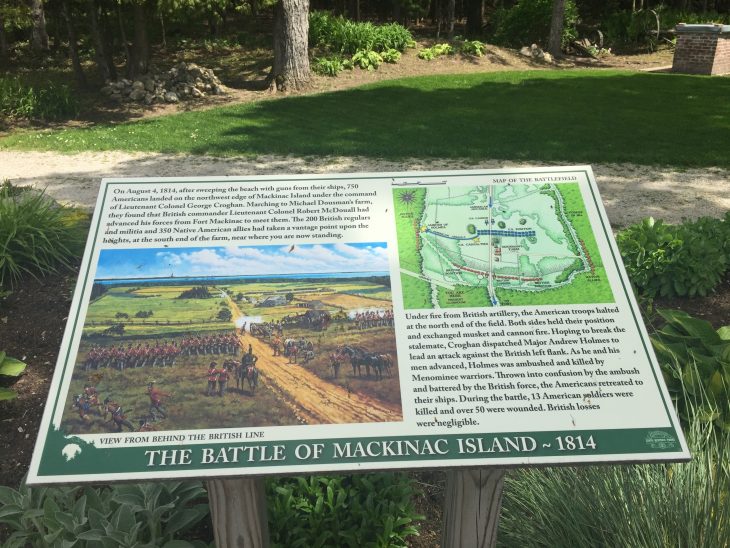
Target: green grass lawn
column 561, row 116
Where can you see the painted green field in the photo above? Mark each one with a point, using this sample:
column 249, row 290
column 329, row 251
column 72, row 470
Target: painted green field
column 162, row 301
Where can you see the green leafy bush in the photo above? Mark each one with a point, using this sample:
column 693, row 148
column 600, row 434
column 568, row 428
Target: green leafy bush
column 37, row 236
column 391, row 56
column 435, row 51
column 347, row 37
column 630, row 28
column 152, row 514
column 676, row 260
column 473, row 47
column 51, row 102
column 367, row 59
column 9, row 367
column 345, row 511
column 528, row 22
column 695, row 362
column 328, row 66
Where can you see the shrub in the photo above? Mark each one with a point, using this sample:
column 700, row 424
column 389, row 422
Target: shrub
column 37, row 236
column 52, row 102
column 528, row 22
column 695, row 361
column 348, row 37
column 473, row 47
column 676, row 260
column 332, row 511
column 367, row 59
column 391, row 56
column 435, row 51
column 327, row 66
column 151, row 514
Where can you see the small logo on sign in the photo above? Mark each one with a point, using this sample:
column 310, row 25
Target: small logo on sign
column 658, row 439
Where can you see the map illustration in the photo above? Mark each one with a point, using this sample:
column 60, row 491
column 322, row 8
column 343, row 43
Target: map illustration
column 497, row 245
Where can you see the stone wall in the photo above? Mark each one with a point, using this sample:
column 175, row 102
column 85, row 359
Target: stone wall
column 702, row 49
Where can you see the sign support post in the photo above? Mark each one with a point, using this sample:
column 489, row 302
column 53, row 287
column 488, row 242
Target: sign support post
column 238, row 511
column 471, row 507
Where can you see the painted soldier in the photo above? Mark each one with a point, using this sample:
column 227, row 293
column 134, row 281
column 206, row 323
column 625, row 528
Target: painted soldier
column 117, row 413
column 156, row 397
column 212, row 379
column 276, row 345
column 222, row 381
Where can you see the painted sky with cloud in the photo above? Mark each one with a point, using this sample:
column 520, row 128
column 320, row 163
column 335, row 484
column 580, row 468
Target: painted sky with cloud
column 242, row 261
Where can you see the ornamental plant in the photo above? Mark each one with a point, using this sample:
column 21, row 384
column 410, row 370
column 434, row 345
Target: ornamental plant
column 37, row 236
column 684, row 260
column 9, row 367
column 695, row 360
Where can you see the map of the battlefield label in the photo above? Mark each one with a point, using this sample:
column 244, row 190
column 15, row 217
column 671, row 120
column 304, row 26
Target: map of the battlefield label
column 497, row 245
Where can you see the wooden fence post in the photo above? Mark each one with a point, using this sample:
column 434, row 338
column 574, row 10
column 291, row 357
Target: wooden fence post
column 471, row 507
column 238, row 511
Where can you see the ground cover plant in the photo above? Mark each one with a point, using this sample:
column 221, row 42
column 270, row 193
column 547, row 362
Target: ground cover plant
column 695, row 361
column 360, row 510
column 50, row 102
column 689, row 259
column 9, row 367
column 151, row 514
column 504, row 103
column 37, row 236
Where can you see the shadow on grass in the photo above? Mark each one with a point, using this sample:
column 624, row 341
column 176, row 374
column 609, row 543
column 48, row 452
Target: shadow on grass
column 578, row 117
column 561, row 116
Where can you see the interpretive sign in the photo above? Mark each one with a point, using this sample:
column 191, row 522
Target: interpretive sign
column 264, row 325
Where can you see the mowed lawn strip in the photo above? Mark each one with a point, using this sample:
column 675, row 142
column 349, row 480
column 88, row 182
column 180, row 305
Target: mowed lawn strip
column 563, row 116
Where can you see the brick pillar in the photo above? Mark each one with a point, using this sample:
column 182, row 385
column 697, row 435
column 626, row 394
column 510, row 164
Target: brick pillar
column 702, row 49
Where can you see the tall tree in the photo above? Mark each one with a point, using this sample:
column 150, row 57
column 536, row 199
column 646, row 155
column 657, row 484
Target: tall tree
column 4, row 49
column 39, row 36
column 139, row 60
column 555, row 41
column 73, row 49
column 102, row 52
column 474, row 17
column 291, row 55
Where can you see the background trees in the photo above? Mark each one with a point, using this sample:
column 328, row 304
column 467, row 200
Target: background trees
column 110, row 39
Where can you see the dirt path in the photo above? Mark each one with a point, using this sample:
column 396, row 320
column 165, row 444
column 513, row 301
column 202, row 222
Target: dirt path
column 630, row 192
column 316, row 401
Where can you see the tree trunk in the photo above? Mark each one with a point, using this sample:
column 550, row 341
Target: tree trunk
column 141, row 45
column 73, row 49
column 39, row 36
column 474, row 17
column 353, row 9
column 4, row 49
column 450, row 16
column 104, row 63
column 556, row 28
column 238, row 512
column 125, row 42
column 54, row 9
column 471, row 507
column 291, row 55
